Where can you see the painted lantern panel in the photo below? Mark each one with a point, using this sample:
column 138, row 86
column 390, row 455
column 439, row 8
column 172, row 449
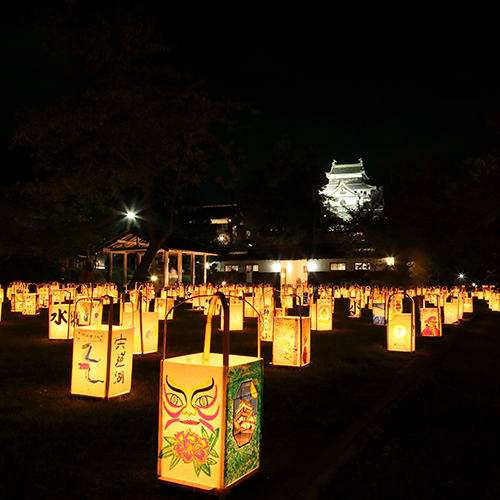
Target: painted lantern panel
column 400, row 333
column 102, row 367
column 324, row 314
column 205, row 440
column 378, row 313
column 292, row 341
column 145, row 325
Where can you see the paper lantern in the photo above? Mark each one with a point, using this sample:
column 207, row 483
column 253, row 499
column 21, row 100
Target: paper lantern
column 400, row 325
column 43, row 295
column 324, row 313
column 266, row 308
column 210, row 416
column 451, row 312
column 102, row 360
column 354, row 308
column 88, row 311
column 163, row 305
column 62, row 320
column 15, row 295
column 235, row 314
column 144, row 324
column 31, row 301
column 292, row 341
column 430, row 322
column 468, row 303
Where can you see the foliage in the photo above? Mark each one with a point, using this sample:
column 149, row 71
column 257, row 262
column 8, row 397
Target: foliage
column 444, row 218
column 133, row 122
column 284, row 204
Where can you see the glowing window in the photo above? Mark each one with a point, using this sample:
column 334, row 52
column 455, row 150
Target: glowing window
column 362, row 266
column 231, row 268
column 337, row 266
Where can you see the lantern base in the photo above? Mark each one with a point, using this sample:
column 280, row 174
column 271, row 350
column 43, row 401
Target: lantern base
column 187, row 485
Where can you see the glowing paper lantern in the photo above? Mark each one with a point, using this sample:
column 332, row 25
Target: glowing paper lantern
column 235, row 314
column 62, row 320
column 102, row 360
column 31, row 301
column 400, row 327
column 145, row 326
column 430, row 322
column 451, row 312
column 266, row 308
column 163, row 305
column 210, row 416
column 292, row 341
column 468, row 303
column 324, row 313
column 15, row 295
column 354, row 308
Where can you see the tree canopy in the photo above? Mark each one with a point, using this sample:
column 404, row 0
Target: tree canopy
column 283, row 204
column 132, row 123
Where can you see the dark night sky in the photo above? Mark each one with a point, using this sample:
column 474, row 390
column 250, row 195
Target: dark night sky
column 353, row 79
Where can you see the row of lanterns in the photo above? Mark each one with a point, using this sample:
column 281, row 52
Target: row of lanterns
column 211, row 404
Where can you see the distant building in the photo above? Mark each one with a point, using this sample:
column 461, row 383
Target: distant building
column 348, row 188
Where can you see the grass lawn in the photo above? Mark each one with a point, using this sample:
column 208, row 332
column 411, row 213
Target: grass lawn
column 54, row 445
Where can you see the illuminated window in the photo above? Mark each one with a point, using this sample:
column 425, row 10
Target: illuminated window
column 337, row 266
column 252, row 268
column 231, row 268
column 362, row 266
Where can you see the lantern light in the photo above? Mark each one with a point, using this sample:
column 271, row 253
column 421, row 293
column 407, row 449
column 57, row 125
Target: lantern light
column 210, row 415
column 390, row 261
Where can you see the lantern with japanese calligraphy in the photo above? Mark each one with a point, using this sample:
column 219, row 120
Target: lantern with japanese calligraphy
column 265, row 305
column 400, row 324
column 62, row 318
column 292, row 341
column 102, row 359
column 210, row 415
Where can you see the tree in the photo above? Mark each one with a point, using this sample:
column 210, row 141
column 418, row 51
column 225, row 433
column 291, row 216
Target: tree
column 133, row 123
column 283, row 204
column 444, row 217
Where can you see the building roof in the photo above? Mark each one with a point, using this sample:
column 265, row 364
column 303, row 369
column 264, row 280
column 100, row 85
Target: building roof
column 133, row 240
column 285, row 252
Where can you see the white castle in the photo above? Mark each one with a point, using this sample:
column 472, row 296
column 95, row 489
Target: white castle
column 348, row 189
